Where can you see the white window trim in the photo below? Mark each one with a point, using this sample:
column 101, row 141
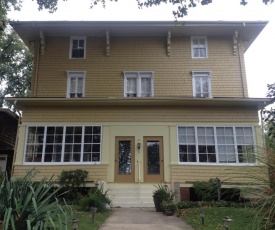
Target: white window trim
column 217, row 155
column 139, row 81
column 206, row 46
column 71, row 46
column 77, row 74
column 63, row 143
column 201, row 73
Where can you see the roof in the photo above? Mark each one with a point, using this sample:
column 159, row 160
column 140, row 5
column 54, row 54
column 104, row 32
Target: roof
column 20, row 103
column 9, row 113
column 247, row 30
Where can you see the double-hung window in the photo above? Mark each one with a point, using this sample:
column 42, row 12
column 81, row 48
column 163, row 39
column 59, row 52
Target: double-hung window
column 78, row 47
column 138, row 84
column 63, row 144
column 201, row 83
column 76, row 84
column 199, row 144
column 199, row 47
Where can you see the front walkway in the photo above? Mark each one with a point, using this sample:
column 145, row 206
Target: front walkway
column 143, row 218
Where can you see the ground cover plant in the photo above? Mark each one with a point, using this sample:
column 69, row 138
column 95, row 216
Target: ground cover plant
column 85, row 218
column 242, row 218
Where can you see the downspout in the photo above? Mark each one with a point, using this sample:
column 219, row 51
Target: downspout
column 241, row 69
column 16, row 139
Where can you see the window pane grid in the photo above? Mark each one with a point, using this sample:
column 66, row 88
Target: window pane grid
column 63, row 144
column 199, row 47
column 216, row 144
column 78, row 48
column 138, row 84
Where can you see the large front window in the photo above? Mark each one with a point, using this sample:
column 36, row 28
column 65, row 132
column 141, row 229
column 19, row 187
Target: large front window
column 199, row 144
column 138, row 84
column 68, row 144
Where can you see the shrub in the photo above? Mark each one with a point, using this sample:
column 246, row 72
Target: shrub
column 28, row 205
column 96, row 198
column 205, row 190
column 73, row 183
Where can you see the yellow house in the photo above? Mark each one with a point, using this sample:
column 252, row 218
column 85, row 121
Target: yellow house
column 138, row 103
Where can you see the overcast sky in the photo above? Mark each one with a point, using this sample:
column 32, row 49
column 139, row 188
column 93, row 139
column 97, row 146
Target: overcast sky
column 259, row 58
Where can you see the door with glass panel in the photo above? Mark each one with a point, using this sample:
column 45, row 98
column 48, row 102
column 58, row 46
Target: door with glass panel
column 153, row 159
column 125, row 159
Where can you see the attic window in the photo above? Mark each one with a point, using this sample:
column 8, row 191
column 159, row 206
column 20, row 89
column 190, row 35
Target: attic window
column 199, row 47
column 78, row 47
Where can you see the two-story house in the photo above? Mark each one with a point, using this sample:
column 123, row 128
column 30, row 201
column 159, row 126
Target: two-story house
column 138, row 103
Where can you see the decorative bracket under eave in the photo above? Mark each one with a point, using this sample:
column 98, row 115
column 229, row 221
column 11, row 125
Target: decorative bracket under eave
column 168, row 52
column 107, row 44
column 42, row 43
column 235, row 42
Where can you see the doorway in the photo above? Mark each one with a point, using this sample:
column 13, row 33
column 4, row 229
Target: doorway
column 125, row 159
column 153, row 159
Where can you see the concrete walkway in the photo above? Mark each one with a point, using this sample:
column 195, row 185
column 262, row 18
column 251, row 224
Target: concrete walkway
column 143, row 218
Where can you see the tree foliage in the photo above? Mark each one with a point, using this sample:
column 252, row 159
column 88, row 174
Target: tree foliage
column 269, row 113
column 16, row 64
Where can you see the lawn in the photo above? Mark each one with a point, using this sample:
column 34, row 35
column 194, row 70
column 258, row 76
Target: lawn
column 85, row 219
column 242, row 218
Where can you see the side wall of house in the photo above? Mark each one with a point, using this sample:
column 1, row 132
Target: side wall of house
column 138, row 122
column 172, row 77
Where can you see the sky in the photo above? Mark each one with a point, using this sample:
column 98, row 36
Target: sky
column 259, row 58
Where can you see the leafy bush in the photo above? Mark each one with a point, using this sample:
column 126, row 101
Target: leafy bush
column 206, row 190
column 96, row 198
column 164, row 193
column 28, row 205
column 73, row 182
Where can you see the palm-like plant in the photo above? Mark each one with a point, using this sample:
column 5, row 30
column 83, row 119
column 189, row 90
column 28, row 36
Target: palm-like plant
column 29, row 205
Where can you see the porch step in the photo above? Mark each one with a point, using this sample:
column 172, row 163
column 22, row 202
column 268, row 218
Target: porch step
column 131, row 195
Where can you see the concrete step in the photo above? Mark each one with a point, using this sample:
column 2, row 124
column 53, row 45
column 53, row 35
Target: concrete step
column 131, row 195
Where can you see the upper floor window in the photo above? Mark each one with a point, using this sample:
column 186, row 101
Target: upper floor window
column 138, row 84
column 201, row 83
column 216, row 144
column 199, row 47
column 76, row 83
column 63, row 144
column 78, row 47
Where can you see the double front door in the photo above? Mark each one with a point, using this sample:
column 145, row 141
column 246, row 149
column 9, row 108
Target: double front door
column 139, row 161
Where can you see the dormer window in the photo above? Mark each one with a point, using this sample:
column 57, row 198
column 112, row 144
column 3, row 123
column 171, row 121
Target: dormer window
column 78, row 48
column 199, row 47
column 201, row 83
column 138, row 84
column 75, row 84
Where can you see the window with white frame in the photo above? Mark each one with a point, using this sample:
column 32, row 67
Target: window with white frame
column 76, row 84
column 199, row 47
column 138, row 84
column 63, row 144
column 199, row 144
column 78, row 47
column 201, row 83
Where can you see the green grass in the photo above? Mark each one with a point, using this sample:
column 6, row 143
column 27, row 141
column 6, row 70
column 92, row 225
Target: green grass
column 242, row 218
column 85, row 219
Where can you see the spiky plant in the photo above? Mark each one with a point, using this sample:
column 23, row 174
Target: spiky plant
column 29, row 205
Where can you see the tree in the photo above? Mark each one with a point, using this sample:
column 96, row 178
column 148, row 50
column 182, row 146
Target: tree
column 269, row 113
column 16, row 64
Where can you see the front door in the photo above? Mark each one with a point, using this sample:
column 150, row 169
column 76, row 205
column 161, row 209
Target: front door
column 125, row 159
column 153, row 159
